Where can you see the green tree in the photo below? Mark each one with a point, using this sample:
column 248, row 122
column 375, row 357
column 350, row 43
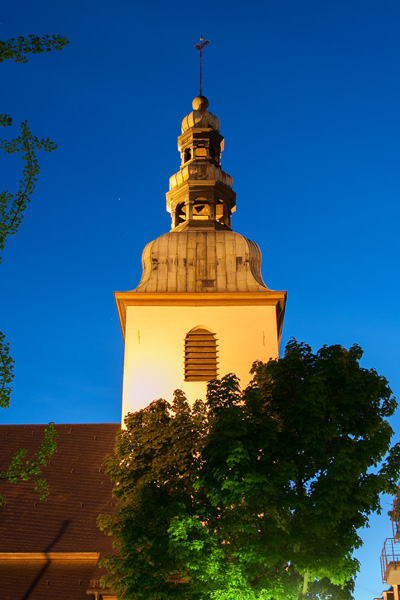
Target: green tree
column 12, row 207
column 258, row 494
column 156, row 458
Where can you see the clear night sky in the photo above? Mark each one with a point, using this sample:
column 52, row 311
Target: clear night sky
column 308, row 97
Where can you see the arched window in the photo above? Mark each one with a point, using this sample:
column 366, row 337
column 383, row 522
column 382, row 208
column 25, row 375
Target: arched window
column 201, row 209
column 180, row 213
column 200, row 355
column 219, row 211
column 201, row 152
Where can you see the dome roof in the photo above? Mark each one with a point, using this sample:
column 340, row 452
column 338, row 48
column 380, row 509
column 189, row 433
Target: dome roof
column 200, row 116
column 201, row 261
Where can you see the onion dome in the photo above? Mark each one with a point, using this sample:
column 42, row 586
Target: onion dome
column 200, row 117
column 201, row 261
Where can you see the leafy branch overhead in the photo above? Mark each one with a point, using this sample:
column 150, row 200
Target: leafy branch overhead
column 258, row 494
column 21, row 468
column 12, row 207
column 6, row 372
column 18, row 48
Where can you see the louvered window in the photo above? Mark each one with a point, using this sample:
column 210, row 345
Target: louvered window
column 200, row 355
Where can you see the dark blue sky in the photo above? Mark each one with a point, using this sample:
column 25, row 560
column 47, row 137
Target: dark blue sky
column 308, row 97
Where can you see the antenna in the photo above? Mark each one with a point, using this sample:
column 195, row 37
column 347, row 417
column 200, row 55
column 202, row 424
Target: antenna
column 200, row 47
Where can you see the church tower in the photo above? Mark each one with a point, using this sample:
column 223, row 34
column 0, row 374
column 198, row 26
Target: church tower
column 201, row 309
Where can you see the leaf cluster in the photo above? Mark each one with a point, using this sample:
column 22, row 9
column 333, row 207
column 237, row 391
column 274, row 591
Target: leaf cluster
column 6, row 372
column 17, row 48
column 21, row 468
column 12, row 206
column 259, row 494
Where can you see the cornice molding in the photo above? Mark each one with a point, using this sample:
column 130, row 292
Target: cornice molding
column 125, row 299
column 53, row 556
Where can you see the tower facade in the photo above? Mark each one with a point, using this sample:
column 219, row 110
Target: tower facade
column 201, row 309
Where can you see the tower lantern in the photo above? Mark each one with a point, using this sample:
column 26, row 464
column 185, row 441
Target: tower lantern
column 200, row 195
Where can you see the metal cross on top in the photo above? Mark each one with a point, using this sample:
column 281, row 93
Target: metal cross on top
column 200, row 47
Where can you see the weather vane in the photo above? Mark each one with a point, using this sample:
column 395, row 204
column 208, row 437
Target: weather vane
column 200, row 47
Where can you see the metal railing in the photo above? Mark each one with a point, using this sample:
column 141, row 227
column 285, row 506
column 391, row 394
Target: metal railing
column 390, row 556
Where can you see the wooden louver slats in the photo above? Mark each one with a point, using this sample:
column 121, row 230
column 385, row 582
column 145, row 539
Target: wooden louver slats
column 200, row 355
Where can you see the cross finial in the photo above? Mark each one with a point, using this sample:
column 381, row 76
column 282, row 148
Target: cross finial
column 200, row 47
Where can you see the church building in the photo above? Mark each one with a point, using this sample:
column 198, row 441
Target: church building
column 200, row 311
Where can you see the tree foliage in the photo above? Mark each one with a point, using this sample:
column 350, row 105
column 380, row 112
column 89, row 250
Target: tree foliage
column 153, row 471
column 12, row 207
column 258, row 494
column 6, row 372
column 17, row 48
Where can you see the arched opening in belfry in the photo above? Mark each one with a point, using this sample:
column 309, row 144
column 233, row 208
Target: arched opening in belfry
column 201, row 209
column 180, row 213
column 201, row 152
column 219, row 212
column 214, row 155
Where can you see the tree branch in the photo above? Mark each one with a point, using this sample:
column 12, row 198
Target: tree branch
column 17, row 48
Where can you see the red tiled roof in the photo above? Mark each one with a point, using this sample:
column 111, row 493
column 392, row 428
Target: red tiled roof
column 42, row 580
column 66, row 521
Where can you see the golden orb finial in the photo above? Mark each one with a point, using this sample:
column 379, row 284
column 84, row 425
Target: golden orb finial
column 200, row 103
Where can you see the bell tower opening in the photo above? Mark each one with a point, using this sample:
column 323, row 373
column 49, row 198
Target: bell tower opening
column 201, row 209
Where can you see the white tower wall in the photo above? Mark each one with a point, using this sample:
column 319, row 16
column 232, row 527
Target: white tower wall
column 154, row 347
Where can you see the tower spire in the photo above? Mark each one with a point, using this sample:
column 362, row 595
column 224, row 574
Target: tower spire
column 200, row 47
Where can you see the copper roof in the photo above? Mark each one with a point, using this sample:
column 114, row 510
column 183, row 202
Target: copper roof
column 201, row 261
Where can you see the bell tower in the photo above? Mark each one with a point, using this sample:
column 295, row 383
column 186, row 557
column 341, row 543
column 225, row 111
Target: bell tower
column 201, row 309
